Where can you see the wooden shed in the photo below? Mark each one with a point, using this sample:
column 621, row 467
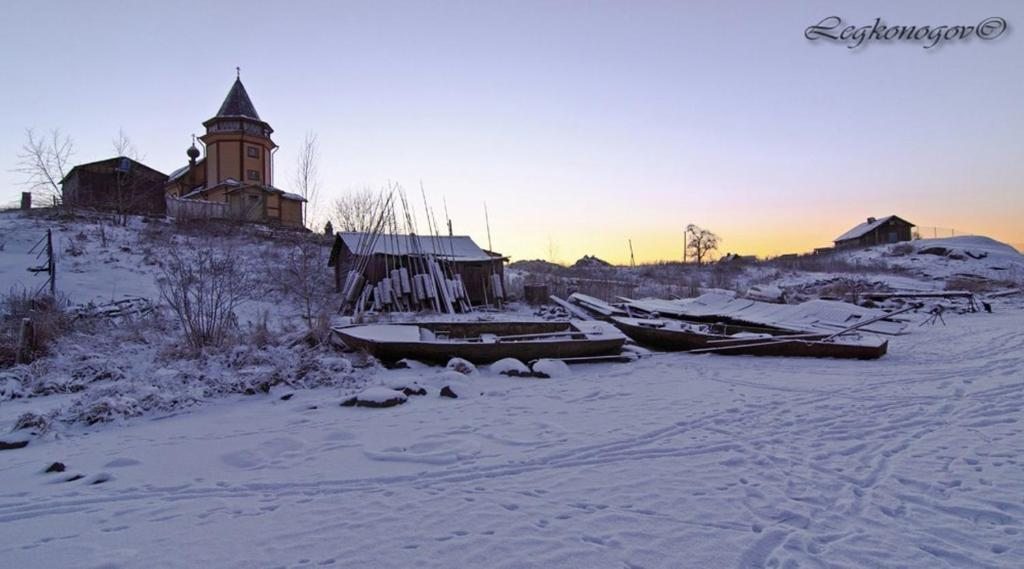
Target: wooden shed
column 876, row 231
column 117, row 184
column 458, row 254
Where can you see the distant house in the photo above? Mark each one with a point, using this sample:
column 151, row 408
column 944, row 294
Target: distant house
column 876, row 231
column 117, row 184
column 377, row 255
column 736, row 258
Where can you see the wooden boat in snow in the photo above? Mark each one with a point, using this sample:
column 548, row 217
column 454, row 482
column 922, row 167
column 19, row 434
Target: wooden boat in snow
column 674, row 335
column 483, row 342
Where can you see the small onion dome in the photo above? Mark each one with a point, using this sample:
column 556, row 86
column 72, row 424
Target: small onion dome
column 192, row 152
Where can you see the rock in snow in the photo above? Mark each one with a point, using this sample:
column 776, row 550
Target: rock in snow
column 550, row 368
column 462, row 366
column 511, row 367
column 405, row 385
column 376, row 397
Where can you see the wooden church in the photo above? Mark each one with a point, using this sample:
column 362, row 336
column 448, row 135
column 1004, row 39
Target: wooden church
column 233, row 175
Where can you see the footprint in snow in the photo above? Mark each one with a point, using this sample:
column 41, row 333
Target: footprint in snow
column 121, row 462
column 428, row 452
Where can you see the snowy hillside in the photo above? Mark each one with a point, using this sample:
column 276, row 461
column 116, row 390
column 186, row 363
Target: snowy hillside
column 971, row 255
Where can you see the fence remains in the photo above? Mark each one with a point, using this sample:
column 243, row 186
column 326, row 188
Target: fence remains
column 182, row 209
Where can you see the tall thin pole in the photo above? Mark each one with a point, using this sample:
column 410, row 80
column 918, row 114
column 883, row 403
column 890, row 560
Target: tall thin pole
column 684, row 246
column 487, row 220
column 447, row 217
column 632, row 260
column 51, row 265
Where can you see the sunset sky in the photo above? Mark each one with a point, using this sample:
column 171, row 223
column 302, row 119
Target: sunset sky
column 581, row 124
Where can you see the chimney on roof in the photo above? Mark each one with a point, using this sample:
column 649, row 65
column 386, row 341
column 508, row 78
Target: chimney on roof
column 872, row 220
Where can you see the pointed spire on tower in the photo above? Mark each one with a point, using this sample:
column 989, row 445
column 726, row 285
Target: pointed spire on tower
column 238, row 103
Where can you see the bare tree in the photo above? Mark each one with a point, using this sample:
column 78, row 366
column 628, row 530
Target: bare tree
column 700, row 243
column 130, row 190
column 357, row 211
column 307, row 176
column 124, row 146
column 44, row 161
column 203, row 288
column 303, row 279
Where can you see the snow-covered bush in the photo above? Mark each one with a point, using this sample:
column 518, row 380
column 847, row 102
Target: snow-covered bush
column 33, row 421
column 319, row 370
column 10, row 387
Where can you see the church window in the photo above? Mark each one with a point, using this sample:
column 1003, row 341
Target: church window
column 253, row 151
column 253, row 174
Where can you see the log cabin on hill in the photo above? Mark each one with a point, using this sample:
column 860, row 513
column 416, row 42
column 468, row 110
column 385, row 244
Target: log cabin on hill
column 876, row 231
column 235, row 178
column 117, row 184
column 380, row 254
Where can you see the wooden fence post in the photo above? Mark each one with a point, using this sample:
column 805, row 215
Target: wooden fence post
column 25, row 341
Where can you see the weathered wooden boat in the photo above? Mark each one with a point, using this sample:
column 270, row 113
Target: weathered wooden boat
column 483, row 342
column 813, row 316
column 673, row 335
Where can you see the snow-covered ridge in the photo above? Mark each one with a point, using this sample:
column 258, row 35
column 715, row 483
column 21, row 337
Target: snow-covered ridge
column 964, row 255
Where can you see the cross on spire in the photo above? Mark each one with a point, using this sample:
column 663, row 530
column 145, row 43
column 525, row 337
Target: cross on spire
column 238, row 72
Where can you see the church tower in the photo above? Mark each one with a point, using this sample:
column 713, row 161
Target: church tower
column 236, row 176
column 238, row 143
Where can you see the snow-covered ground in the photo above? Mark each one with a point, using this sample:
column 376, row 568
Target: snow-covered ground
column 973, row 255
column 675, row 461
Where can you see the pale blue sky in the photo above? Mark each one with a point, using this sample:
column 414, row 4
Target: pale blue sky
column 582, row 124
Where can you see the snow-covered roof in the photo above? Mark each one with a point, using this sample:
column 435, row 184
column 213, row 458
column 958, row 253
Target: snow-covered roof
column 457, row 248
column 198, row 190
column 178, row 173
column 864, row 228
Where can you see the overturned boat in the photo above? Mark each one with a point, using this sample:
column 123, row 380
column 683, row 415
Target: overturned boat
column 484, row 342
column 675, row 335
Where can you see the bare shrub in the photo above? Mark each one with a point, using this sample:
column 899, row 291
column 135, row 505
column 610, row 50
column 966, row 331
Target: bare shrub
column 33, row 421
column 48, row 319
column 724, row 276
column 833, row 264
column 259, row 331
column 976, row 285
column 204, row 288
column 303, row 279
column 901, row 250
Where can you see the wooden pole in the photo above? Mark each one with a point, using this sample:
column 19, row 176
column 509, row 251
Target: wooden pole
column 24, row 341
column 51, row 264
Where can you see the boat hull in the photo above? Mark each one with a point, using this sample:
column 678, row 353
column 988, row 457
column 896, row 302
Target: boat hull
column 459, row 344
column 673, row 340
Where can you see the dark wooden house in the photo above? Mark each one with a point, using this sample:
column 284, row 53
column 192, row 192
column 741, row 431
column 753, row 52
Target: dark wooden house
column 876, row 231
column 117, row 184
column 379, row 255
